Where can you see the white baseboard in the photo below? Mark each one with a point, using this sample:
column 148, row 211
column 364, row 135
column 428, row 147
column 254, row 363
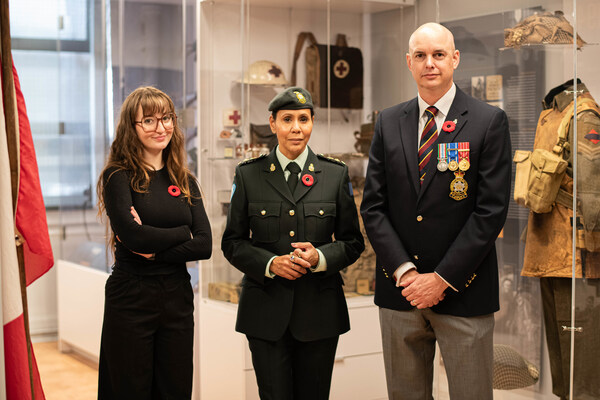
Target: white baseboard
column 43, row 325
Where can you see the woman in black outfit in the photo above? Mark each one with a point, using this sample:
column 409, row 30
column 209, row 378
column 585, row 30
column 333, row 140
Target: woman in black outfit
column 158, row 222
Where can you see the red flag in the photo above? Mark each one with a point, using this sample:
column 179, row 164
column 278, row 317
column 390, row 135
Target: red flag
column 31, row 212
column 38, row 254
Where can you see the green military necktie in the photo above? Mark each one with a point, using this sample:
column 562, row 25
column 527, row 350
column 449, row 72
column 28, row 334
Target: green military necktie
column 293, row 178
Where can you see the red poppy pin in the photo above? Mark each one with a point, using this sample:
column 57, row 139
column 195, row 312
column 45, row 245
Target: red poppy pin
column 449, row 126
column 174, row 191
column 308, row 180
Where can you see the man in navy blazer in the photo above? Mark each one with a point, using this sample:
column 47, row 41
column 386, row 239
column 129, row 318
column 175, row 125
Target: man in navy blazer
column 435, row 199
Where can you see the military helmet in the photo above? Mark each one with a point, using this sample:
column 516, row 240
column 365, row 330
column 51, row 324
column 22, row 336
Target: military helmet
column 546, row 28
column 265, row 72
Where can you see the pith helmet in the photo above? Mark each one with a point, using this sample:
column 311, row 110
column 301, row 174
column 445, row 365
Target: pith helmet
column 265, row 72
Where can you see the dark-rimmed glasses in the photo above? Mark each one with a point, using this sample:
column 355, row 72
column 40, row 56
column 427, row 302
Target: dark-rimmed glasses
column 150, row 124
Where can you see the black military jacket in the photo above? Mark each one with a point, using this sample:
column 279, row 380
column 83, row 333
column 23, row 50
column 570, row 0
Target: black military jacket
column 264, row 219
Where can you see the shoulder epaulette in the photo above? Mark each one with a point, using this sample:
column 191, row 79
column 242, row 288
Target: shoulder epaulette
column 331, row 159
column 251, row 160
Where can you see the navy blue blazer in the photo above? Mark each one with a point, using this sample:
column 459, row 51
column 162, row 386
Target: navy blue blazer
column 406, row 221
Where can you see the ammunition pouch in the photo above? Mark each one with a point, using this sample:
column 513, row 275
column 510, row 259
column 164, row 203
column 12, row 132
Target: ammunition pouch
column 522, row 160
column 546, row 174
column 539, row 174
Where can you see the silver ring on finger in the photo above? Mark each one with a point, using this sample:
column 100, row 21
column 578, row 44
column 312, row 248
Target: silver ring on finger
column 292, row 258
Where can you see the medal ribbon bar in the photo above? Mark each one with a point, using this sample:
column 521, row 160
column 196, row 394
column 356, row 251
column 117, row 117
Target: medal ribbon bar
column 463, row 156
column 442, row 158
column 452, row 156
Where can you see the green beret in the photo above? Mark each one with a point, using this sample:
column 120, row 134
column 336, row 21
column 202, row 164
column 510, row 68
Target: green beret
column 293, row 98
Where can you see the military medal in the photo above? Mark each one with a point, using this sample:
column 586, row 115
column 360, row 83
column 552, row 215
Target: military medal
column 272, row 168
column 442, row 157
column 458, row 186
column 453, row 156
column 463, row 156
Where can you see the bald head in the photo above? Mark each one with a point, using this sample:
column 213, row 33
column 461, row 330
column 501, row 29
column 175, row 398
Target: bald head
column 432, row 59
column 430, row 29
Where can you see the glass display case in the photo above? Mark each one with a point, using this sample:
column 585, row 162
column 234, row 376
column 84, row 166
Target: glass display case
column 222, row 61
column 250, row 51
column 512, row 55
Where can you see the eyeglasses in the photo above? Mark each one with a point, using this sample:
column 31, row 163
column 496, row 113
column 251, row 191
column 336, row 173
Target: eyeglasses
column 150, row 124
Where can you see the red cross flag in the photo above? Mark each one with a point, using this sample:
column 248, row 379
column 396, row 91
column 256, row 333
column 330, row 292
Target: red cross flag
column 23, row 262
column 232, row 117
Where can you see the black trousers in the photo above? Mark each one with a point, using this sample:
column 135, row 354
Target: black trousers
column 147, row 341
column 288, row 369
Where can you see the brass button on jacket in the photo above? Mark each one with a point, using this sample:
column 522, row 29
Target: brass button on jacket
column 419, row 218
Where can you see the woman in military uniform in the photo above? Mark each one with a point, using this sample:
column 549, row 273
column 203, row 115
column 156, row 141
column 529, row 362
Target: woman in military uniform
column 292, row 226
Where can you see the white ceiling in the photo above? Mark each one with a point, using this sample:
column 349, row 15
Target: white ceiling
column 354, row 6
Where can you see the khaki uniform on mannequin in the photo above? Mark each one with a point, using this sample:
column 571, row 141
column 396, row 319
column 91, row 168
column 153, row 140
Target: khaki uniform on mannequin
column 548, row 249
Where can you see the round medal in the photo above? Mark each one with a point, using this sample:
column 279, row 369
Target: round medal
column 464, row 164
column 442, row 166
column 453, row 165
column 458, row 188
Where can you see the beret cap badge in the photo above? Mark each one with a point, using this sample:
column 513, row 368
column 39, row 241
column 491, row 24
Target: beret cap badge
column 300, row 97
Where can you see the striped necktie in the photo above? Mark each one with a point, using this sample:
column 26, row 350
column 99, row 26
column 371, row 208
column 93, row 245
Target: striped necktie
column 428, row 137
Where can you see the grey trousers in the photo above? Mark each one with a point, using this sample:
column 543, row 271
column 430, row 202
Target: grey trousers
column 466, row 346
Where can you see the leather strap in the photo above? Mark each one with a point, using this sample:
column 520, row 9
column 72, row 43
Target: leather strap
column 341, row 41
column 302, row 36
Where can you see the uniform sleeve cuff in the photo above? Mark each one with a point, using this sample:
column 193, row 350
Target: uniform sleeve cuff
column 268, row 272
column 321, row 265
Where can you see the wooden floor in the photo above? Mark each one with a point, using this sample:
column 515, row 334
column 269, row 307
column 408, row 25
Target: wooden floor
column 65, row 376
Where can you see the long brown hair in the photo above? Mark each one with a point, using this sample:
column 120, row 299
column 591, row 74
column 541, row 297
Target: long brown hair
column 126, row 151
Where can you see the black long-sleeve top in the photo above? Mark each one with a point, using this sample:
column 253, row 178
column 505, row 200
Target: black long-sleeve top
column 172, row 229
